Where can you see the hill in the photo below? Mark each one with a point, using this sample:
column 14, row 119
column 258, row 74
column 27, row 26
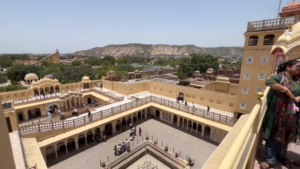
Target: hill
column 145, row 50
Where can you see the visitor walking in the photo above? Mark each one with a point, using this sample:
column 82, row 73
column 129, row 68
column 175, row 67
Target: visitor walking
column 208, row 108
column 185, row 104
column 140, row 131
column 130, row 126
column 193, row 106
column 75, row 111
column 104, row 136
column 62, row 117
column 50, row 117
column 89, row 115
column 123, row 147
column 134, row 131
column 115, row 149
column 281, row 122
column 101, row 86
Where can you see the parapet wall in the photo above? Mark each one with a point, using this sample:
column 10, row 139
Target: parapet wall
column 218, row 100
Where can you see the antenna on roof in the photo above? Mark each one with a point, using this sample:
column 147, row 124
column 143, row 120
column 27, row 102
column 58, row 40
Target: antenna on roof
column 279, row 8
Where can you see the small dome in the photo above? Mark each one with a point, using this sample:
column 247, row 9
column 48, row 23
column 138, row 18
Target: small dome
column 222, row 79
column 136, row 71
column 30, row 76
column 197, row 74
column 109, row 73
column 291, row 9
column 85, row 79
column 55, row 80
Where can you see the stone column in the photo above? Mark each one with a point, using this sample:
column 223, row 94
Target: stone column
column 146, row 115
column 85, row 136
column 178, row 121
column 114, row 130
column 55, row 149
column 131, row 116
column 66, row 144
column 43, row 150
column 76, row 144
column 66, row 107
column 203, row 130
column 79, row 99
column 75, row 101
column 70, row 103
column 172, row 118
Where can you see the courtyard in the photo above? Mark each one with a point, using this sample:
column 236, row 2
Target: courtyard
column 183, row 143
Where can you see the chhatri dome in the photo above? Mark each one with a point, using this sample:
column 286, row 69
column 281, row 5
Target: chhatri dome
column 291, row 9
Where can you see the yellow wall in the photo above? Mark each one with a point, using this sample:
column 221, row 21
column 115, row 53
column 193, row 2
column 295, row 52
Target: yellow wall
column 204, row 97
column 253, row 83
column 6, row 155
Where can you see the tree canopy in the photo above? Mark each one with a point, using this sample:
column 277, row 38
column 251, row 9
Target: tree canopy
column 70, row 74
column 6, row 60
column 76, row 63
column 93, row 61
column 18, row 72
column 197, row 62
column 109, row 60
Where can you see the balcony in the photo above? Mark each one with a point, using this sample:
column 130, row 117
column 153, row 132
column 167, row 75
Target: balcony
column 271, row 24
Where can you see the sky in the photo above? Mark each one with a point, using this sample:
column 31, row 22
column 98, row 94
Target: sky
column 40, row 26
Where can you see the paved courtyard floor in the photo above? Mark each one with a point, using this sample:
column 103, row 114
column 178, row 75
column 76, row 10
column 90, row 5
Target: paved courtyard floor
column 188, row 145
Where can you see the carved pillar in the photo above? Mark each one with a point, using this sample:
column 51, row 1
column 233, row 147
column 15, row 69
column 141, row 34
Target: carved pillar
column 43, row 150
column 85, row 138
column 178, row 121
column 75, row 101
column 114, row 126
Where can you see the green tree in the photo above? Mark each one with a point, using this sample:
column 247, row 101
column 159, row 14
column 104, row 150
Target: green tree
column 109, row 60
column 76, row 63
column 3, row 79
column 198, row 62
column 93, row 61
column 181, row 75
column 18, row 72
column 74, row 73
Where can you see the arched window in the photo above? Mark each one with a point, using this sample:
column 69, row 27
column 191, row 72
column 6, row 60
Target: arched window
column 269, row 39
column 253, row 40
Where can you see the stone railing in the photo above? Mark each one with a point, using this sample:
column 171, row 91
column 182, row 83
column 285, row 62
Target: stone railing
column 272, row 24
column 121, row 108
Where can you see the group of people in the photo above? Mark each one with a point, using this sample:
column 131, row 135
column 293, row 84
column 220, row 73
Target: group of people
column 185, row 103
column 281, row 124
column 120, row 148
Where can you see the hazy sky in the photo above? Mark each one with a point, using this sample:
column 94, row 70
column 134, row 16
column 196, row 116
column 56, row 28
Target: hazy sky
column 41, row 26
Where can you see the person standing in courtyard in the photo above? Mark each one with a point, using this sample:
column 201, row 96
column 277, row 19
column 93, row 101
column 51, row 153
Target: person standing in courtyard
column 185, row 104
column 140, row 131
column 75, row 111
column 123, row 147
column 101, row 86
column 208, row 108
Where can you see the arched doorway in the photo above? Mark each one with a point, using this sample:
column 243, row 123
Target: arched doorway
column 97, row 135
column 89, row 137
column 194, row 127
column 118, row 125
column 34, row 113
column 190, row 125
column 61, row 149
column 20, row 116
column 175, row 120
column 180, row 122
column 129, row 120
column 50, row 153
column 134, row 118
column 108, row 129
column 139, row 116
column 124, row 123
column 207, row 132
column 185, row 124
column 143, row 115
column 71, row 145
column 149, row 113
column 199, row 129
column 157, row 114
column 81, row 140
